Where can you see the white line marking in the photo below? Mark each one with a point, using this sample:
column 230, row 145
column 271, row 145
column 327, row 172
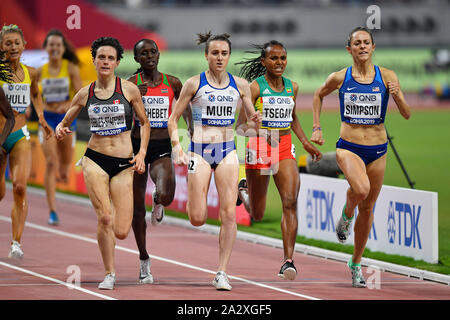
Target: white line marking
column 69, row 285
column 90, row 240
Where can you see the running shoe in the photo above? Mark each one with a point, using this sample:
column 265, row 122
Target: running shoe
column 157, row 211
column 15, row 251
column 108, row 282
column 221, row 281
column 145, row 275
column 288, row 270
column 343, row 227
column 358, row 280
column 53, row 219
column 242, row 185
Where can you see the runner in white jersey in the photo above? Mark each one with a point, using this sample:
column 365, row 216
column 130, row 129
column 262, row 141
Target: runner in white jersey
column 214, row 95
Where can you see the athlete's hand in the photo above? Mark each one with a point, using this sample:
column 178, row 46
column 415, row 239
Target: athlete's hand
column 393, row 88
column 139, row 162
column 179, row 156
column 317, row 137
column 47, row 130
column 273, row 139
column 256, row 118
column 312, row 150
column 61, row 131
column 142, row 88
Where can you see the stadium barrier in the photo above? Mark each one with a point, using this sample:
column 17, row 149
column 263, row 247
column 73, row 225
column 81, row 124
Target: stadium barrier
column 405, row 220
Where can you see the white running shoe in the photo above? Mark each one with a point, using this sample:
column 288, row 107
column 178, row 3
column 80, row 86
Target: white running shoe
column 157, row 211
column 221, row 281
column 145, row 275
column 108, row 282
column 15, row 252
column 358, row 280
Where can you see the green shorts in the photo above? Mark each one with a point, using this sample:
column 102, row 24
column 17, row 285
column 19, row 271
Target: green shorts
column 15, row 136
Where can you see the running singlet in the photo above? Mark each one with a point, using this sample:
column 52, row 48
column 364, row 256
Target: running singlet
column 215, row 107
column 276, row 107
column 56, row 88
column 111, row 116
column 157, row 102
column 18, row 93
column 364, row 104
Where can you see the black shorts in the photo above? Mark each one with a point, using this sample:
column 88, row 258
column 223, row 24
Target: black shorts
column 156, row 149
column 111, row 165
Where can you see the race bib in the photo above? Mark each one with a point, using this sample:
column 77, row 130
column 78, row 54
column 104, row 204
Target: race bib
column 156, row 110
column 107, row 119
column 362, row 108
column 55, row 89
column 18, row 95
column 219, row 108
column 277, row 112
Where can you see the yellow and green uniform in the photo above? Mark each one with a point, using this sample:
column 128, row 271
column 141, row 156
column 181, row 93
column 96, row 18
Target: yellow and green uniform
column 56, row 88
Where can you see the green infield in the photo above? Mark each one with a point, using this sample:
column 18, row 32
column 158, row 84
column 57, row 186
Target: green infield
column 421, row 144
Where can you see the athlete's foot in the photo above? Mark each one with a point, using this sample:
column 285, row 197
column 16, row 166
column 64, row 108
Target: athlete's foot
column 288, row 270
column 53, row 219
column 343, row 227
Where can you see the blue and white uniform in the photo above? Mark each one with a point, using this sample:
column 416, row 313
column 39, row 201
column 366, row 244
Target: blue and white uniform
column 214, row 107
column 363, row 104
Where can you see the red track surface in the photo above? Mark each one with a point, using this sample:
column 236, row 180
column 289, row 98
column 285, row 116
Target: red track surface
column 183, row 265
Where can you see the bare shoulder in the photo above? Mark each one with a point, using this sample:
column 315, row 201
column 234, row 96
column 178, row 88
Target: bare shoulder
column 81, row 96
column 295, row 87
column 240, row 82
column 387, row 74
column 129, row 87
column 32, row 71
column 72, row 67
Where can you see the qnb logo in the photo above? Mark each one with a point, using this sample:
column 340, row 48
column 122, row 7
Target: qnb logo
column 211, row 98
column 272, row 100
column 319, row 210
column 96, row 109
column 407, row 224
column 353, row 97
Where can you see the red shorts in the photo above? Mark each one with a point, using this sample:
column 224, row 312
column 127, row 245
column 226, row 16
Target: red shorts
column 260, row 155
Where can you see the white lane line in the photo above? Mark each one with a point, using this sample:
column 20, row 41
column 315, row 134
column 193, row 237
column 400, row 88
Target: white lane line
column 90, row 240
column 68, row 285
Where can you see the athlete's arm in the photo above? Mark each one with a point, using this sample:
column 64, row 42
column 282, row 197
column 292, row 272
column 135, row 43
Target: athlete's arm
column 134, row 96
column 249, row 125
column 176, row 85
column 393, row 85
column 36, row 98
column 298, row 130
column 78, row 103
column 332, row 83
column 6, row 110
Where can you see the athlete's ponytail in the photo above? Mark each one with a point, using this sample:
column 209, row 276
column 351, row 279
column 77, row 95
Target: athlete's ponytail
column 208, row 37
column 69, row 51
column 5, row 71
column 253, row 68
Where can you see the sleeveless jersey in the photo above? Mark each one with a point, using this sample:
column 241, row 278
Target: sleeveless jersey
column 157, row 102
column 364, row 104
column 111, row 116
column 215, row 107
column 56, row 88
column 276, row 107
column 18, row 93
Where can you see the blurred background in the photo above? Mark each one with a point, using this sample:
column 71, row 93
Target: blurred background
column 412, row 38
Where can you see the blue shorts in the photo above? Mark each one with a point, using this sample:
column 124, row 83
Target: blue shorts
column 53, row 119
column 213, row 153
column 368, row 154
column 14, row 137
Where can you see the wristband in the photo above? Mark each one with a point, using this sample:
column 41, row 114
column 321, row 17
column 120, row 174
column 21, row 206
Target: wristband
column 315, row 129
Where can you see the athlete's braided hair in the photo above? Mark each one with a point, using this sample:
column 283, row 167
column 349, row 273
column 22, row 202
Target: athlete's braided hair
column 139, row 70
column 253, row 68
column 69, row 52
column 5, row 71
column 208, row 37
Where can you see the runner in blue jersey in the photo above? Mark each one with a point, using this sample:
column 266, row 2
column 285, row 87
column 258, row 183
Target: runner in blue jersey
column 364, row 90
column 214, row 95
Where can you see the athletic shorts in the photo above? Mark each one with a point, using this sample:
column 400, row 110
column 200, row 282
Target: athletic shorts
column 213, row 153
column 368, row 154
column 14, row 137
column 111, row 165
column 53, row 119
column 260, row 155
column 156, row 149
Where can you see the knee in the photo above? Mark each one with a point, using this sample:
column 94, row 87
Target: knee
column 105, row 222
column 164, row 197
column 2, row 192
column 361, row 191
column 289, row 202
column 197, row 221
column 228, row 217
column 121, row 234
column 19, row 189
column 51, row 164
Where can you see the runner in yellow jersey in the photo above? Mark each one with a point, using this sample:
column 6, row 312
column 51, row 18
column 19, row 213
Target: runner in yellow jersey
column 59, row 80
column 20, row 93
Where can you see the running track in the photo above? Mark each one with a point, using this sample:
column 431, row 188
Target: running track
column 183, row 265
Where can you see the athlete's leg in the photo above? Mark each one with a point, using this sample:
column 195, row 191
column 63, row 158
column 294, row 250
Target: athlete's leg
column 121, row 190
column 288, row 184
column 139, row 211
column 257, row 183
column 162, row 173
column 97, row 185
column 363, row 223
column 199, row 177
column 354, row 170
column 226, row 178
column 66, row 148
column 3, row 162
column 20, row 164
column 49, row 148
